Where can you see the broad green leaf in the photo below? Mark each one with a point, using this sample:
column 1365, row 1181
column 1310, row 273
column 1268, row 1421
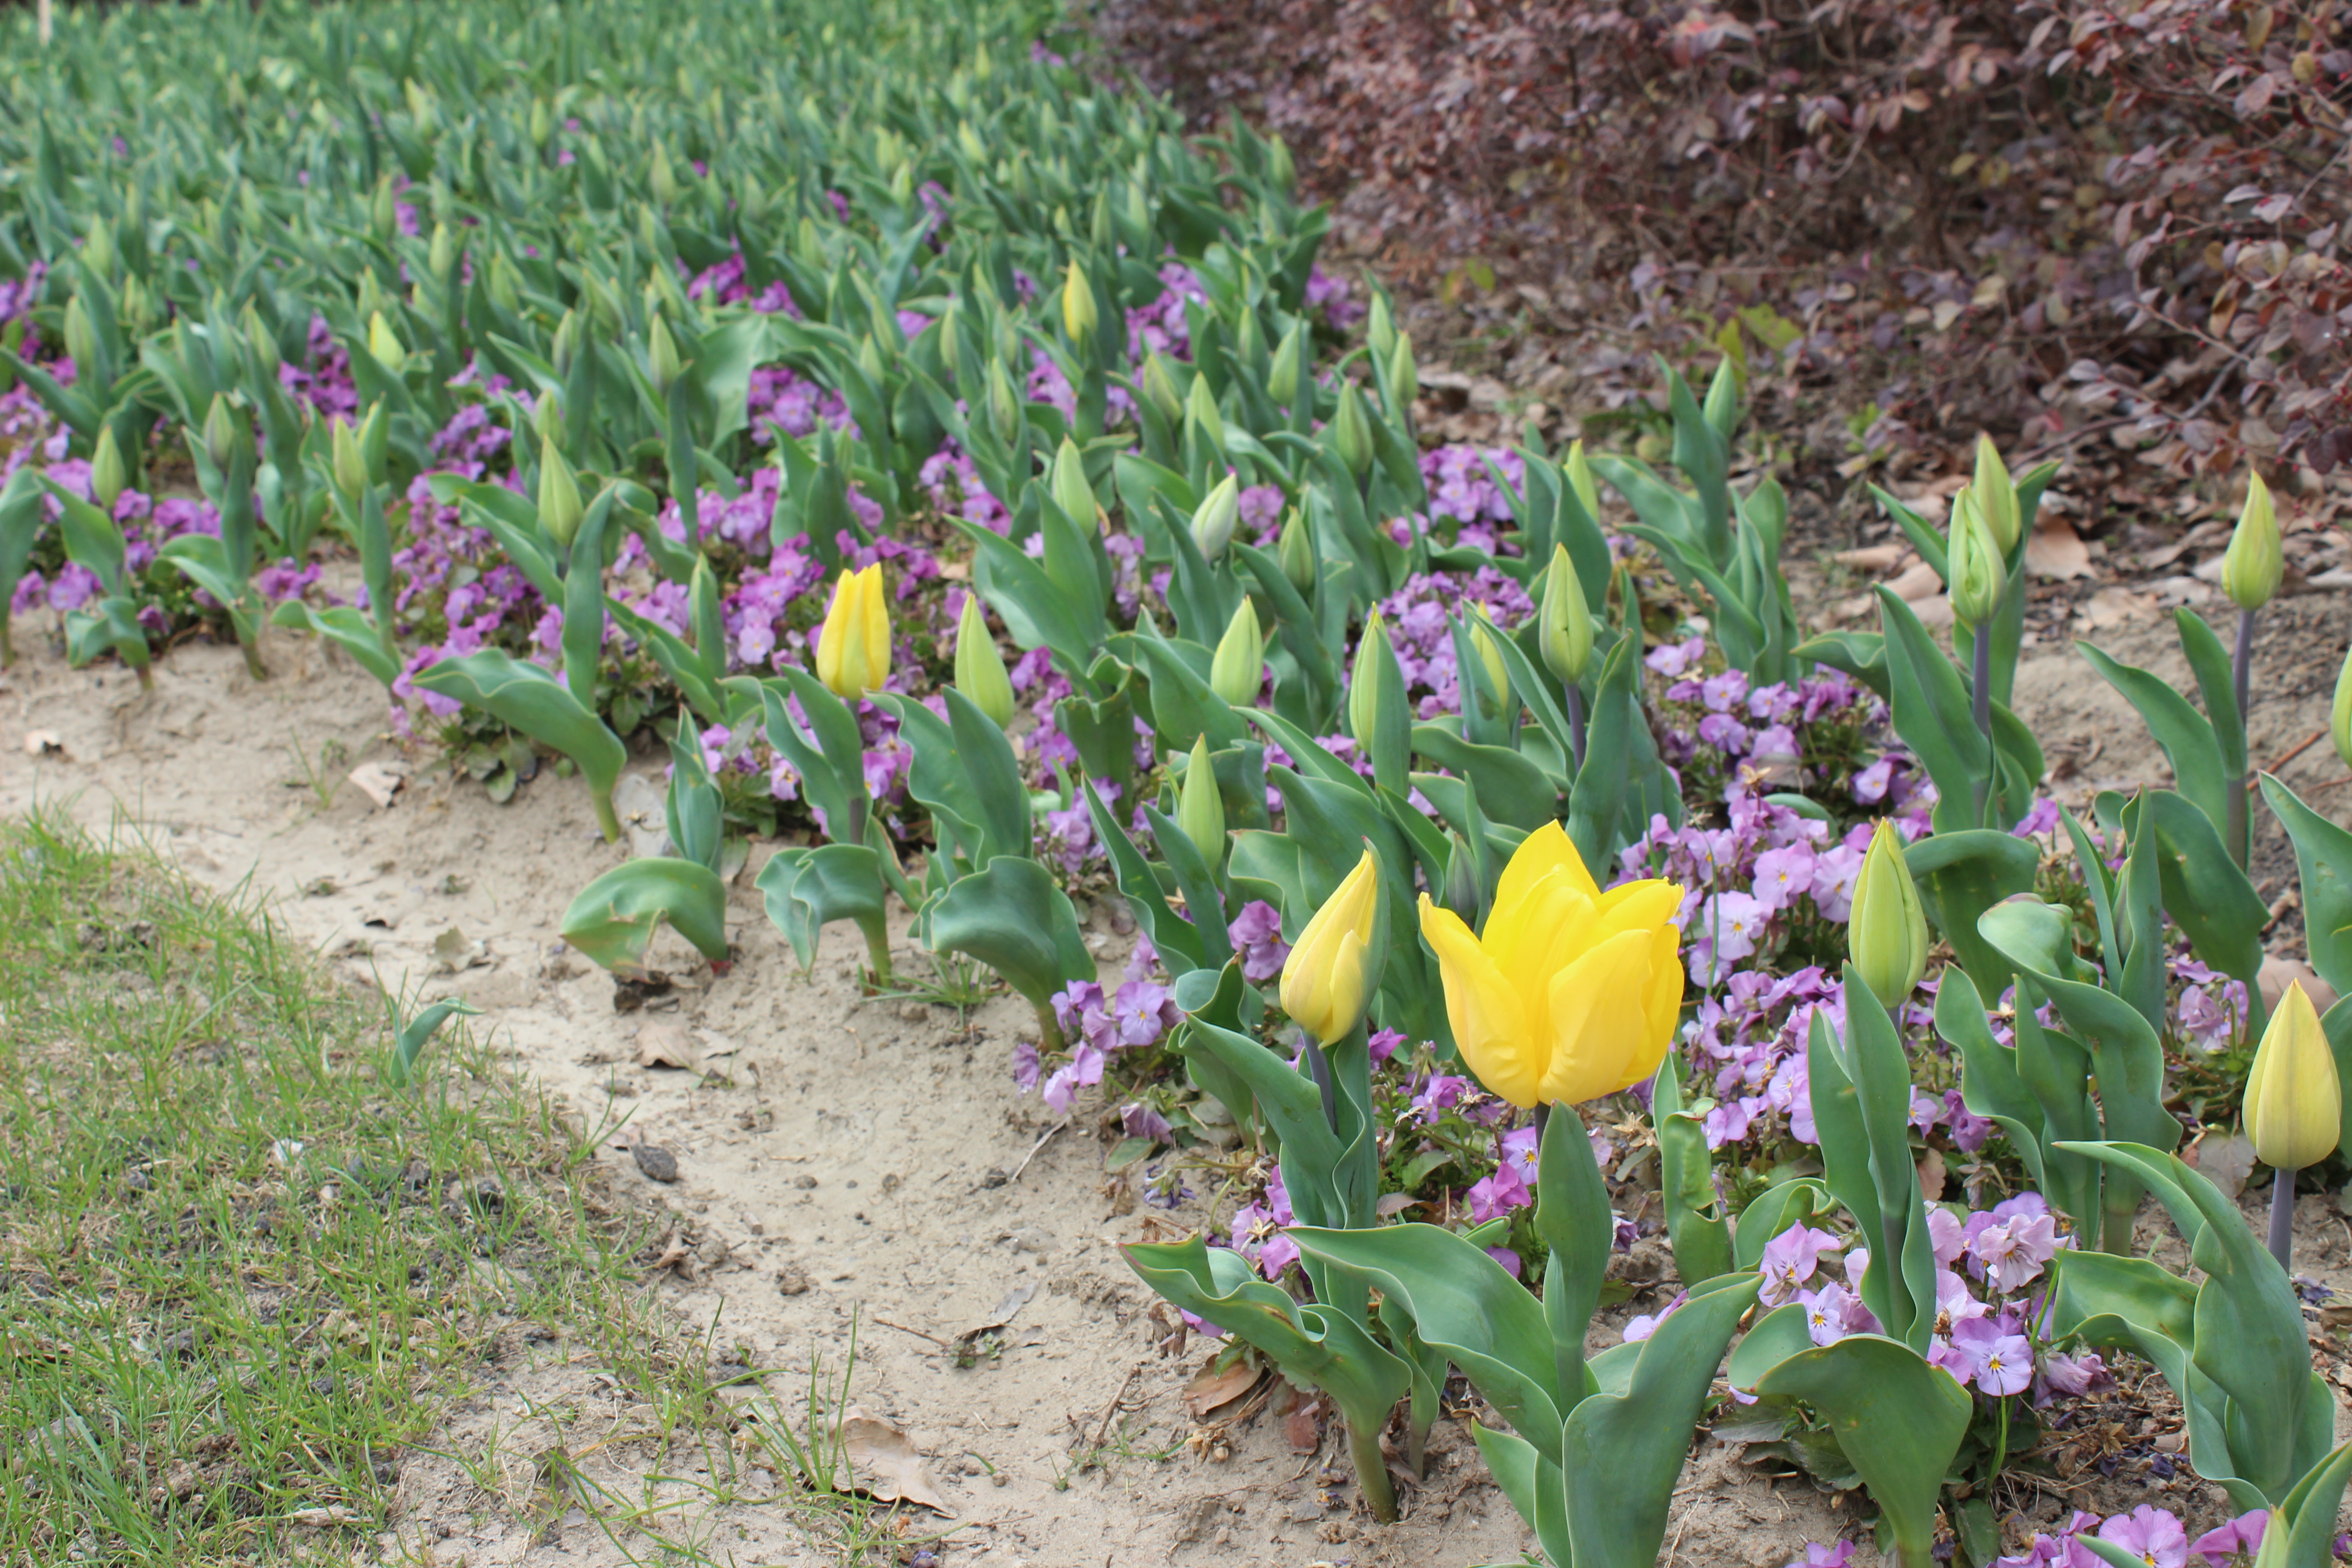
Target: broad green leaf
column 807, row 890
column 533, row 701
column 615, row 917
column 2323, row 859
column 2186, row 737
column 1962, row 874
column 348, row 629
column 1010, row 916
column 1898, row 1419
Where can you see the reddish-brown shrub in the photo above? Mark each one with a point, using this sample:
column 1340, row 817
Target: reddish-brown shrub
column 2049, row 214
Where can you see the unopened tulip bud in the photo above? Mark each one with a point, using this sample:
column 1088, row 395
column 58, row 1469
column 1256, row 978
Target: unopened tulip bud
column 662, row 362
column 979, row 667
column 1404, row 375
column 1072, row 493
column 504, row 284
column 1281, row 171
column 384, row 215
column 1579, row 470
column 1380, row 329
column 263, row 342
column 1328, row 979
column 1973, row 565
column 1239, row 667
column 2253, row 563
column 547, row 419
column 2339, row 713
column 1003, row 405
column 560, row 510
column 350, row 469
column 1352, row 431
column 542, row 123
column 2293, row 1104
column 1490, row 659
column 385, row 345
column 1460, row 891
column 1721, row 408
column 441, row 257
column 662, row 178
column 1296, row 551
column 1564, row 633
column 565, row 347
column 108, row 475
column 1160, row 387
column 226, row 436
column 375, row 442
column 1080, row 315
column 1201, row 408
column 1200, row 808
column 1996, row 496
column 81, row 342
column 1887, row 935
column 1213, row 520
column 1365, row 681
column 853, row 649
column 1282, row 378
column 97, row 248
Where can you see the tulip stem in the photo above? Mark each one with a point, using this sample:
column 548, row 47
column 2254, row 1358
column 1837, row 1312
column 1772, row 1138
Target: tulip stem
column 2242, row 667
column 1372, row 1473
column 1319, row 1067
column 2282, row 1220
column 1576, row 722
column 1980, row 697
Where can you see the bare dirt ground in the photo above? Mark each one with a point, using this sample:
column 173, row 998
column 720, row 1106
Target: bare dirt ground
column 843, row 1165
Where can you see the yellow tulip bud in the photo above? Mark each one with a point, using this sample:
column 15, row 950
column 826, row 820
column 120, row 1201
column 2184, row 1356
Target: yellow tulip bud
column 350, row 467
column 1239, row 667
column 1972, row 570
column 2253, row 565
column 385, row 345
column 1199, row 809
column 1214, row 521
column 1078, row 313
column 1887, row 936
column 979, row 667
column 1326, row 985
column 1072, row 493
column 560, row 510
column 853, row 650
column 1490, row 660
column 1996, row 495
column 1159, row 386
column 2339, row 715
column 1565, row 631
column 1571, row 993
column 108, row 475
column 2293, row 1105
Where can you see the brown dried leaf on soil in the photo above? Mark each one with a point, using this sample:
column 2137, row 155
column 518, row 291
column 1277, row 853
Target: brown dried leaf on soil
column 886, row 1462
column 2056, row 550
column 1212, row 1390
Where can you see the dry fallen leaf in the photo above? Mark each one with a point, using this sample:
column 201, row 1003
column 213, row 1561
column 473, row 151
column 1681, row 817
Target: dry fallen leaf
column 1918, row 583
column 1211, row 1389
column 379, row 782
column 2276, row 972
column 2053, row 550
column 1874, row 557
column 884, row 1458
column 663, row 1045
column 2114, row 606
column 2224, row 1159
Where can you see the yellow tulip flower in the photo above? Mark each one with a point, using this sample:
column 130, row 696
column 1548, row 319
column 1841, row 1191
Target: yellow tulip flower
column 853, row 650
column 1325, row 983
column 1572, row 992
column 2293, row 1105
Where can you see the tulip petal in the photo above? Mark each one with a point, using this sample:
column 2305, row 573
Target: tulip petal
column 1545, row 850
column 1488, row 1018
column 1600, row 1023
column 1662, row 1009
column 875, row 622
column 833, row 637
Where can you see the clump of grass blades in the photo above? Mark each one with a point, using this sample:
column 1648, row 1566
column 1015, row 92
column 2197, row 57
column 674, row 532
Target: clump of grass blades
column 241, row 1278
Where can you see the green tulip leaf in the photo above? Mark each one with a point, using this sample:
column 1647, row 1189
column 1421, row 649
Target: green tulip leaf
column 615, row 917
column 527, row 698
column 1962, row 874
column 348, row 629
column 2186, row 735
column 807, row 890
column 1012, row 917
column 2323, row 859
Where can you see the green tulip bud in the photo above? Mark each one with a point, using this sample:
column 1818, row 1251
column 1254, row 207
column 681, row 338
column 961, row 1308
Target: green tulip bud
column 969, row 140
column 1201, row 408
column 1483, row 633
column 2339, row 715
column 1972, row 569
column 1282, row 382
column 1200, row 808
column 1380, row 329
column 383, row 344
column 375, row 442
column 1004, row 406
column 1352, row 431
column 97, row 248
column 1249, row 341
column 1887, row 936
column 1564, row 631
column 1721, row 408
column 566, row 346
column 1460, row 893
column 263, row 342
column 1404, row 374
column 662, row 362
column 661, row 178
column 81, row 342
column 1296, row 551
column 441, row 257
column 1099, row 231
column 559, row 495
column 1072, row 493
column 1079, row 316
column 1364, row 680
column 1281, row 173
column 505, row 285
column 542, row 123
column 383, row 215
column 979, row 667
column 351, row 470
column 951, row 330
column 1996, row 495
column 1238, row 670
column 136, row 311
column 2253, row 565
column 1213, row 518
column 226, row 436
column 108, row 475
column 1160, row 387
column 1579, row 468
column 547, row 419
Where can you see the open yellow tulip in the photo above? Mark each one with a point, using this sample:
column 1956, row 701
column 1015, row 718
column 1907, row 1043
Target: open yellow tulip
column 1574, row 993
column 853, row 649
